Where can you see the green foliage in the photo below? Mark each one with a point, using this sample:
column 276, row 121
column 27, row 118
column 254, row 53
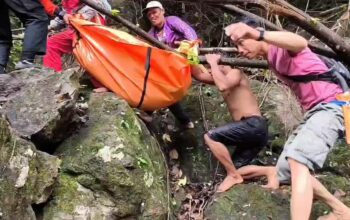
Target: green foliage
column 16, row 49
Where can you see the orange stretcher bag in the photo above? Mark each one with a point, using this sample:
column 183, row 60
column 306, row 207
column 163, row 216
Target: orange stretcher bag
column 146, row 77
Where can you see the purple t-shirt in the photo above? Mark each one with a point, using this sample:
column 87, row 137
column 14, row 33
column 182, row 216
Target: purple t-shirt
column 175, row 29
column 284, row 63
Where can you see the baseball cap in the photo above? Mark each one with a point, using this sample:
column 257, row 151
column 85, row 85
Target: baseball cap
column 153, row 4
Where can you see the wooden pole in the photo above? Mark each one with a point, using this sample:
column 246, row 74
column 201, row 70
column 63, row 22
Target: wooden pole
column 203, row 50
column 239, row 62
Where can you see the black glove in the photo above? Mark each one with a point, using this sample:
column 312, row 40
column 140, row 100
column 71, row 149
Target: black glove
column 60, row 13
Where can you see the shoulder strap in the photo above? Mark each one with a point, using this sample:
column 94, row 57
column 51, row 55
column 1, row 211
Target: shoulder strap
column 326, row 76
column 147, row 68
column 332, row 76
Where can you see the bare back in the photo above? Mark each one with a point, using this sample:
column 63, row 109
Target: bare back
column 240, row 99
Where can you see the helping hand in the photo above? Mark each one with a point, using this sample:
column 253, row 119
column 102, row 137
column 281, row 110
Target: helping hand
column 67, row 17
column 240, row 30
column 213, row 58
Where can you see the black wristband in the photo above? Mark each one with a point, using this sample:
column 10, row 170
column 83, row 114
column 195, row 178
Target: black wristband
column 60, row 14
column 261, row 36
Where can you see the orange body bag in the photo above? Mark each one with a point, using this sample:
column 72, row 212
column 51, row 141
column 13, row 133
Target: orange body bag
column 146, row 77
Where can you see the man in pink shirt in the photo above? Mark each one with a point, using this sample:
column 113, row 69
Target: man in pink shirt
column 307, row 148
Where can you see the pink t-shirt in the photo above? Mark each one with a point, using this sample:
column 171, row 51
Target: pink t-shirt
column 305, row 62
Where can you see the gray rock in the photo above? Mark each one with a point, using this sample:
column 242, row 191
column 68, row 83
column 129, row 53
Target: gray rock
column 26, row 175
column 111, row 169
column 43, row 110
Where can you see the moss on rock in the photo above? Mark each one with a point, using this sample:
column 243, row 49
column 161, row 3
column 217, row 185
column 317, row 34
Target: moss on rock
column 115, row 159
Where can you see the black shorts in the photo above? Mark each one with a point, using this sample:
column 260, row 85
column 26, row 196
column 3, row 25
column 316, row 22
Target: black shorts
column 251, row 132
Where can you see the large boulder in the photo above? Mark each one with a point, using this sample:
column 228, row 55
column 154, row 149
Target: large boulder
column 27, row 176
column 43, row 107
column 111, row 169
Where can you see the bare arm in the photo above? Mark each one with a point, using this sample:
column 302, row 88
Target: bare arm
column 223, row 81
column 286, row 40
column 201, row 74
column 282, row 39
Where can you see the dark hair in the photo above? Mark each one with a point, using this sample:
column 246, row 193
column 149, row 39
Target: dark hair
column 250, row 22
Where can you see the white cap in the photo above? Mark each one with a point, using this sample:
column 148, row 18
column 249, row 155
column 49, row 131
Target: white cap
column 153, row 4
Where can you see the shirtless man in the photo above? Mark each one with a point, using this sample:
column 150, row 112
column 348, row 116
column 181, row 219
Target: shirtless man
column 249, row 129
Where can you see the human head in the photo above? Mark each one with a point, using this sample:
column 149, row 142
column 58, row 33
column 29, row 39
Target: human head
column 155, row 13
column 247, row 47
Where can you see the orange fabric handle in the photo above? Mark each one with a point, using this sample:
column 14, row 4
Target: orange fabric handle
column 346, row 112
column 49, row 7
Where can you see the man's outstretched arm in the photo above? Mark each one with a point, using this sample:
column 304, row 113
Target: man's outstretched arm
column 282, row 39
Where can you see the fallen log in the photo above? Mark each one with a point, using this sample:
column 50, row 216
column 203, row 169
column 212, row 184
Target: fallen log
column 309, row 24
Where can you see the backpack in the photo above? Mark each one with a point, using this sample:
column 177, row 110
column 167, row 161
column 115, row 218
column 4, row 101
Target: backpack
column 337, row 74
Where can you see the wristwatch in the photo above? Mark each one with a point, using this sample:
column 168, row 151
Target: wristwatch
column 262, row 33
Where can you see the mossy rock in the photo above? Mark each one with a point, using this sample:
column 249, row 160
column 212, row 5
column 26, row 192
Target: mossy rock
column 334, row 184
column 249, row 202
column 27, row 176
column 115, row 159
column 338, row 160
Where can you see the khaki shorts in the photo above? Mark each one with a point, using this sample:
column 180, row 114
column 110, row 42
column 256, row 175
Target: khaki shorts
column 313, row 139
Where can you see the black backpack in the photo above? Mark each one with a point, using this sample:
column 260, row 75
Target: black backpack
column 337, row 73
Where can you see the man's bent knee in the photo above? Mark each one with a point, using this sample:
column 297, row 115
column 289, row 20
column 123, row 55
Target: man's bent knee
column 207, row 138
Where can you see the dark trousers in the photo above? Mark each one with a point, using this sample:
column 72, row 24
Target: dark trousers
column 35, row 20
column 178, row 112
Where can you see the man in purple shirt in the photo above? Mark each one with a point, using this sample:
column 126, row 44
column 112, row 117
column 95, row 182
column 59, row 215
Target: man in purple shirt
column 171, row 31
column 307, row 148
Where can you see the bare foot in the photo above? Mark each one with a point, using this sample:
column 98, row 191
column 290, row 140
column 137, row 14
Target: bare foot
column 343, row 214
column 189, row 125
column 229, row 181
column 100, row 90
column 272, row 179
